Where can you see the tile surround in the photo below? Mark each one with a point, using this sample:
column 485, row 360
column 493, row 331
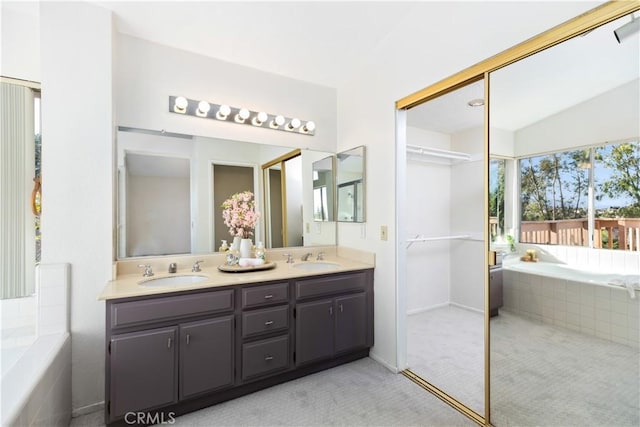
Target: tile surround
column 607, row 313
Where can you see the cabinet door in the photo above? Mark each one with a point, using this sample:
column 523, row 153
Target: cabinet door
column 143, row 370
column 314, row 331
column 206, row 355
column 351, row 322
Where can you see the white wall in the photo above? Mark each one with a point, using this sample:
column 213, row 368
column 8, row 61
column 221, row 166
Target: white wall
column 436, row 40
column 428, row 214
column 596, row 121
column 20, row 41
column 148, row 73
column 467, row 217
column 77, row 149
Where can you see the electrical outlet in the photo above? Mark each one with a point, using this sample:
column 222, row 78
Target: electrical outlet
column 383, row 232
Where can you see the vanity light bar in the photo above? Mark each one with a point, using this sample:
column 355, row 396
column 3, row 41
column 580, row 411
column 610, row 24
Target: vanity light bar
column 223, row 112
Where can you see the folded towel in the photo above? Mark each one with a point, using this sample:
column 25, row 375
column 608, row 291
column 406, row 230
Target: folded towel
column 630, row 282
column 250, row 262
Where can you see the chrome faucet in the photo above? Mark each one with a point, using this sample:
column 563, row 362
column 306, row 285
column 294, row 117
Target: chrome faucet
column 196, row 266
column 173, row 267
column 148, row 271
column 306, row 256
column 320, row 256
column 289, row 258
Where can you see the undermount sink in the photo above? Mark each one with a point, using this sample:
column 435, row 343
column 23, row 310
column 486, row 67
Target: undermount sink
column 174, row 280
column 316, row 266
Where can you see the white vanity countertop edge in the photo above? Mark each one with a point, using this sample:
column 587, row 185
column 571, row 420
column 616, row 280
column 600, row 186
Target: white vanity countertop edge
column 127, row 285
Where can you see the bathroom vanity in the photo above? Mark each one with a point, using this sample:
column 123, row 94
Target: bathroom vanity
column 174, row 352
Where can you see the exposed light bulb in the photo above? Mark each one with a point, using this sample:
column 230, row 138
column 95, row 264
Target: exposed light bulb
column 223, row 112
column 203, row 108
column 180, row 105
column 260, row 118
column 293, row 124
column 242, row 115
column 277, row 122
column 308, row 127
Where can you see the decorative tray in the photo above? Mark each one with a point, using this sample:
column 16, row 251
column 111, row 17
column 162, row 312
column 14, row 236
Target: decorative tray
column 238, row 269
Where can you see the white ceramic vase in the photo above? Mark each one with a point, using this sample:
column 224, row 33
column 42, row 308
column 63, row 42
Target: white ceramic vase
column 245, row 248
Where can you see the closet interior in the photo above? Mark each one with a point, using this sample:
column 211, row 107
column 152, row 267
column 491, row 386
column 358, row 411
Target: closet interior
column 445, row 246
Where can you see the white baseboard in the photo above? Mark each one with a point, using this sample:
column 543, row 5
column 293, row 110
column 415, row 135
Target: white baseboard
column 466, row 307
column 423, row 309
column 94, row 407
column 383, row 362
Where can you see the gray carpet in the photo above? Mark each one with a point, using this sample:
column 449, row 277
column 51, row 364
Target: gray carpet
column 542, row 375
column 445, row 347
column 361, row 393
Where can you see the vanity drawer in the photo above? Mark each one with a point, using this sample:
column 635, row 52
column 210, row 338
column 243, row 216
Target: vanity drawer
column 327, row 285
column 157, row 309
column 262, row 357
column 267, row 294
column 265, row 320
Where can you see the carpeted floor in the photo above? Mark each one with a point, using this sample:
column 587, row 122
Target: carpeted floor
column 445, row 346
column 544, row 375
column 361, row 393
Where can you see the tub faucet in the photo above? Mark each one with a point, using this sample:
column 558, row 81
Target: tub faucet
column 306, row 256
column 148, row 271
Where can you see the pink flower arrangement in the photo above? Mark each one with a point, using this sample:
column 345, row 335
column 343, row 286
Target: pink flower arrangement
column 239, row 214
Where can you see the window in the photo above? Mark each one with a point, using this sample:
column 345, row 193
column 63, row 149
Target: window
column 496, row 197
column 565, row 201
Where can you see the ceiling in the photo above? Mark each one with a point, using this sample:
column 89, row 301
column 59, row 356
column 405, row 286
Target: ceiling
column 541, row 85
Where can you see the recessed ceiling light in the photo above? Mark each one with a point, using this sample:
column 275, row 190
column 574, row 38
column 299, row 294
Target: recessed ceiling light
column 478, row 102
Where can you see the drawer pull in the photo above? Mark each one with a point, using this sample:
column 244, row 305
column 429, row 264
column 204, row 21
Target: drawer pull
column 330, row 311
column 268, row 296
column 268, row 323
column 340, row 308
column 268, row 358
column 188, row 337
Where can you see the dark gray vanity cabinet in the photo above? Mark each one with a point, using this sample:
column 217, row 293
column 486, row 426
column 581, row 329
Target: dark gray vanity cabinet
column 206, row 356
column 338, row 320
column 143, row 370
column 175, row 353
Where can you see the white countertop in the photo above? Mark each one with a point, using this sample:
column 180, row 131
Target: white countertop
column 127, row 283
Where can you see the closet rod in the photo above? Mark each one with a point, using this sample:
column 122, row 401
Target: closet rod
column 435, row 152
column 431, row 239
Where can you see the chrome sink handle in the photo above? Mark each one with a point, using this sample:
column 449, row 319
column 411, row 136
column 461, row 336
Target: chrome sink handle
column 320, row 256
column 289, row 258
column 148, row 271
column 196, row 266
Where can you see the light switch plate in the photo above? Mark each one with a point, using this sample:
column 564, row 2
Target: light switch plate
column 383, row 232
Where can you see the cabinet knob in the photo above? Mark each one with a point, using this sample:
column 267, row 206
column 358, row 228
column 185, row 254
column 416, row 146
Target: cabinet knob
column 268, row 323
column 268, row 358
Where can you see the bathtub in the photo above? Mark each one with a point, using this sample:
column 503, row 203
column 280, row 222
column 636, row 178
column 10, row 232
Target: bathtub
column 583, row 300
column 35, row 355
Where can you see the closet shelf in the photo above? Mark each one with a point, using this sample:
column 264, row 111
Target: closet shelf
column 436, row 152
column 419, row 238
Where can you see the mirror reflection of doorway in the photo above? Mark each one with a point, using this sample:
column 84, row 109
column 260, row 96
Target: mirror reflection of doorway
column 227, row 180
column 283, row 201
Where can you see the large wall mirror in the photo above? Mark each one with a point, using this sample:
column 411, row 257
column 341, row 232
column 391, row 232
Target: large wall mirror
column 171, row 188
column 350, row 185
column 323, row 189
column 564, row 134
